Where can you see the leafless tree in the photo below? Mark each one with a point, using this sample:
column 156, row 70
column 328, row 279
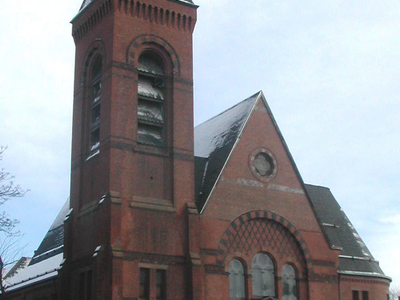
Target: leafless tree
column 8, row 190
column 394, row 293
column 11, row 251
column 9, row 235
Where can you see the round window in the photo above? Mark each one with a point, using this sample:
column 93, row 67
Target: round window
column 263, row 164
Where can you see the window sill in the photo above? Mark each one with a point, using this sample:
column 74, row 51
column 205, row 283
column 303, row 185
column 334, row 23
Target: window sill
column 93, row 154
column 152, row 204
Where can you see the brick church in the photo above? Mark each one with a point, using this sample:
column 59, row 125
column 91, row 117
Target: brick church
column 159, row 210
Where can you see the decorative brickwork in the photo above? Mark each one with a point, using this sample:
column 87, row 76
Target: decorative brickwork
column 152, row 258
column 257, row 230
column 156, row 14
column 152, row 39
column 95, row 18
column 97, row 47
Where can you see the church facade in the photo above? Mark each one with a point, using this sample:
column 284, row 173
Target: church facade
column 159, row 210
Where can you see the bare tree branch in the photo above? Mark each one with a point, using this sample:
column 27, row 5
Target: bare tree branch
column 10, row 246
column 8, row 190
column 394, row 293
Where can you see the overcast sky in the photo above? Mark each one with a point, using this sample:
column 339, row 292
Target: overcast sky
column 329, row 70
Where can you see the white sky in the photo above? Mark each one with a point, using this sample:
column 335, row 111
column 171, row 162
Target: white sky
column 329, row 70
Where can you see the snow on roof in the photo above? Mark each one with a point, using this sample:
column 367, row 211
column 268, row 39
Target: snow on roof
column 16, row 267
column 354, row 254
column 213, row 143
column 219, row 131
column 34, row 273
column 85, row 3
column 53, row 241
column 185, row 1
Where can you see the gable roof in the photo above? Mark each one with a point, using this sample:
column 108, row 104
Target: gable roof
column 47, row 258
column 213, row 142
column 53, row 241
column 215, row 139
column 355, row 258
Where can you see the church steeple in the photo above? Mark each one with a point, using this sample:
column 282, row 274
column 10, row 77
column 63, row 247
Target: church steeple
column 132, row 150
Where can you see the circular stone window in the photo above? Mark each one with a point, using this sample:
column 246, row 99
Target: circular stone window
column 263, row 164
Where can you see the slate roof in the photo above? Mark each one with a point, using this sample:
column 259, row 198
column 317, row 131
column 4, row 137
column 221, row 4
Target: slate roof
column 213, row 142
column 355, row 257
column 47, row 258
column 33, row 274
column 53, row 241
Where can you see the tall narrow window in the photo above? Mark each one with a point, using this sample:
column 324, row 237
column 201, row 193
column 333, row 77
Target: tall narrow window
column 85, row 285
column 151, row 97
column 144, row 282
column 365, row 295
column 95, row 104
column 236, row 280
column 82, row 286
column 89, row 285
column 161, row 283
column 289, row 290
column 355, row 295
column 263, row 276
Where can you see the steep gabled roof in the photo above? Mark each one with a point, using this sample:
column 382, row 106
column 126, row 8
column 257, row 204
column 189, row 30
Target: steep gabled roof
column 213, row 142
column 54, row 239
column 355, row 257
column 46, row 261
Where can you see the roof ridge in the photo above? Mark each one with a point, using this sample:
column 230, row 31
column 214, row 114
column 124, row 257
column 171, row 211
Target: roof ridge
column 230, row 108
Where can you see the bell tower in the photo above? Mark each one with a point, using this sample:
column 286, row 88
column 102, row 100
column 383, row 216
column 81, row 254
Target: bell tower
column 132, row 152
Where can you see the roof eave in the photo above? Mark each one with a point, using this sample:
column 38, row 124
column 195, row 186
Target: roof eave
column 364, row 274
column 26, row 283
column 81, row 10
column 185, row 3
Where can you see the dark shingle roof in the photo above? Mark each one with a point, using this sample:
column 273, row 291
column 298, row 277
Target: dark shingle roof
column 213, row 141
column 53, row 241
column 47, row 258
column 355, row 257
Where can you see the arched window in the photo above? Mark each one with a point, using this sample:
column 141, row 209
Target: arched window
column 263, row 276
column 95, row 104
column 236, row 280
column 289, row 283
column 151, row 97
